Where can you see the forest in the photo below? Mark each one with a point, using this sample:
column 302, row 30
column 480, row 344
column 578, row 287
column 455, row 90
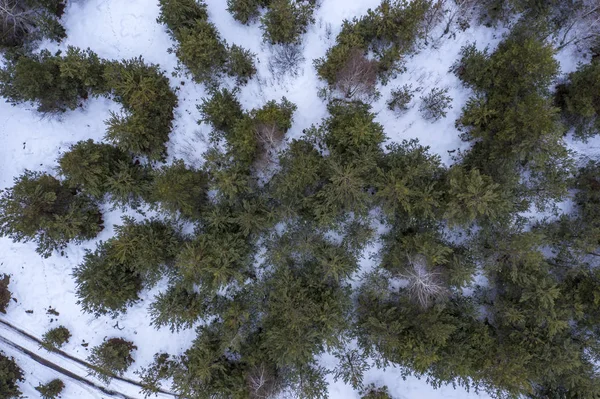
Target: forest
column 487, row 269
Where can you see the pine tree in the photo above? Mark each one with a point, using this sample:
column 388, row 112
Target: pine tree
column 40, row 208
column 285, row 21
column 5, row 294
column 56, row 337
column 51, row 390
column 435, row 103
column 10, row 374
column 179, row 189
column 111, row 358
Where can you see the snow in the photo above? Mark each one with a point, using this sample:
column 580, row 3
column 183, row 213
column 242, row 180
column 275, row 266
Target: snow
column 118, row 29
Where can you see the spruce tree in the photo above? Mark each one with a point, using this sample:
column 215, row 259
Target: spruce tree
column 56, row 337
column 51, row 390
column 10, row 375
column 41, row 208
column 285, row 21
column 5, row 294
column 111, row 358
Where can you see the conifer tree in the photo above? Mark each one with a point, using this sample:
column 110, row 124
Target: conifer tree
column 10, row 374
column 40, row 208
column 221, row 110
column 179, row 189
column 285, row 21
column 245, row 11
column 56, row 337
column 51, row 390
column 111, row 358
column 240, row 64
column 5, row 294
column 178, row 308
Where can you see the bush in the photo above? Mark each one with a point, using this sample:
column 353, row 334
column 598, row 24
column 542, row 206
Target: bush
column 40, row 208
column 51, row 390
column 5, row 294
column 285, row 21
column 400, row 98
column 10, row 375
column 56, row 338
column 111, row 358
column 179, row 189
column 434, row 105
column 148, row 102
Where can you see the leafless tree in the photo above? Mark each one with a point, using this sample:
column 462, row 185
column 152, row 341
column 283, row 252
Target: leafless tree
column 286, row 60
column 17, row 19
column 261, row 383
column 424, row 285
column 582, row 27
column 358, row 77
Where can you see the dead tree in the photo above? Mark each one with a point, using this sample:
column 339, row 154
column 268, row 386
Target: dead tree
column 358, row 77
column 424, row 285
column 17, row 20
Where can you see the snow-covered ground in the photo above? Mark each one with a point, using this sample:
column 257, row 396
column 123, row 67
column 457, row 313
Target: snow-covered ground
column 118, row 29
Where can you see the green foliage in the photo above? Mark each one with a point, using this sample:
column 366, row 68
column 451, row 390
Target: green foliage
column 390, row 31
column 179, row 189
column 10, row 375
column 87, row 166
column 148, row 104
column 5, row 294
column 56, row 337
column 40, row 208
column 400, row 98
column 56, row 83
column 240, row 64
column 511, row 120
column 51, row 390
column 178, row 307
column 473, row 196
column 111, row 358
column 111, row 277
column 373, row 392
column 285, row 21
column 580, row 101
column 221, row 110
column 435, row 103
column 245, row 11
column 178, row 14
column 105, row 286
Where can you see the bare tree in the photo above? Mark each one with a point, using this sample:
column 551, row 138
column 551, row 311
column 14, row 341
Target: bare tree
column 582, row 27
column 358, row 77
column 16, row 19
column 261, row 383
column 424, row 285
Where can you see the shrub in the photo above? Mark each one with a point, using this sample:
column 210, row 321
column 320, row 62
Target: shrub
column 148, row 102
column 51, row 390
column 111, row 358
column 5, row 294
column 400, row 98
column 240, row 64
column 40, row 208
column 56, row 337
column 434, row 105
column 10, row 374
column 179, row 189
column 285, row 21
